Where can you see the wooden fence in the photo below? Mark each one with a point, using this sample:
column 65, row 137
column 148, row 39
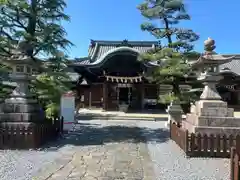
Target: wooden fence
column 33, row 136
column 235, row 164
column 201, row 145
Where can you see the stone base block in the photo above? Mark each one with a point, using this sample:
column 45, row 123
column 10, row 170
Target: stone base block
column 211, row 130
column 22, row 125
column 22, row 117
column 21, row 108
column 21, row 100
column 219, row 112
column 213, row 121
column 212, row 108
column 211, row 104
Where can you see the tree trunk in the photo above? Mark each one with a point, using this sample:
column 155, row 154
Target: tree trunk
column 176, row 89
column 32, row 24
column 169, row 38
column 32, row 20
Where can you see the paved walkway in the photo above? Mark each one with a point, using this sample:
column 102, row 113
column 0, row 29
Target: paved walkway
column 104, row 151
column 111, row 150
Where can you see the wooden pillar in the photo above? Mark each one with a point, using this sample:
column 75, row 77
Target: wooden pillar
column 142, row 95
column 90, row 100
column 105, row 95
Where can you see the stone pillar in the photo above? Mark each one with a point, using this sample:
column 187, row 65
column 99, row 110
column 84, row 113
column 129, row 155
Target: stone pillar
column 175, row 113
column 210, row 92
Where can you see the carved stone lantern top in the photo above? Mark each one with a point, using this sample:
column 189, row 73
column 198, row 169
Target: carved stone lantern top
column 209, row 45
column 20, row 61
column 209, row 58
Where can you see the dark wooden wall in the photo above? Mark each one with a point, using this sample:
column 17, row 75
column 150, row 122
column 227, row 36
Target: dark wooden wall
column 93, row 92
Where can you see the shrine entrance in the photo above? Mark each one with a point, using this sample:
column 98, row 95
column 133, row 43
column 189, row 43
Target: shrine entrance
column 118, row 82
column 122, row 73
column 124, row 97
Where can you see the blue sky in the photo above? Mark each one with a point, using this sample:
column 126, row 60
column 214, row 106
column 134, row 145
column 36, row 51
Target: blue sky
column 119, row 20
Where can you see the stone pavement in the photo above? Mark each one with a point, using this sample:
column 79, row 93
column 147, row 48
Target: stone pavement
column 123, row 150
column 106, row 152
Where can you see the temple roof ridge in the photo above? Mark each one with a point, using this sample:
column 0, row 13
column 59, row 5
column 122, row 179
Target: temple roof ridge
column 117, row 42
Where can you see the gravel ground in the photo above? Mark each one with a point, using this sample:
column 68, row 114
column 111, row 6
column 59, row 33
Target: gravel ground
column 21, row 165
column 168, row 159
column 170, row 162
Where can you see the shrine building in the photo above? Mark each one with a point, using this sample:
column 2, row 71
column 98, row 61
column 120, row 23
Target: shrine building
column 111, row 77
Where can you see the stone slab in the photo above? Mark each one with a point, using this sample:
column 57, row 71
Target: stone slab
column 211, row 104
column 211, row 130
column 218, row 112
column 21, row 108
column 22, row 117
column 19, row 124
column 213, row 121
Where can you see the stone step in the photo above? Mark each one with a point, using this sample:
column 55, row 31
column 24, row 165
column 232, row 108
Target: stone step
column 210, row 129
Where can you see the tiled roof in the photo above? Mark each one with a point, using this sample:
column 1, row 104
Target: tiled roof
column 81, row 61
column 233, row 66
column 99, row 48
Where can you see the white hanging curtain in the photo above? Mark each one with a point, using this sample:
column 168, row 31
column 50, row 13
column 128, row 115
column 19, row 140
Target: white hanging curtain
column 124, row 79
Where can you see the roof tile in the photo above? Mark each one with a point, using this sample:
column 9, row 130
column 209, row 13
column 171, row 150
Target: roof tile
column 233, row 65
column 99, row 48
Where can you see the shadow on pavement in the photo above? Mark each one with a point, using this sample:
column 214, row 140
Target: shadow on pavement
column 86, row 134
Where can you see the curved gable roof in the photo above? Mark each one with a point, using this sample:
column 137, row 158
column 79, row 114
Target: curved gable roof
column 98, row 48
column 104, row 56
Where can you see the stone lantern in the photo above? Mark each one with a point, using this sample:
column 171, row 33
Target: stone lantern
column 209, row 64
column 21, row 107
column 210, row 115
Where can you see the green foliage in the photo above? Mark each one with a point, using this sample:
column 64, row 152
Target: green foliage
column 5, row 89
column 37, row 22
column 51, row 84
column 173, row 65
column 174, row 56
column 169, row 13
column 167, row 98
column 52, row 110
column 3, row 2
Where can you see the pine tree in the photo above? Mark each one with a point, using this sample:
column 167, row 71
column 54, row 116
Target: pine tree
column 37, row 24
column 169, row 13
column 175, row 53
